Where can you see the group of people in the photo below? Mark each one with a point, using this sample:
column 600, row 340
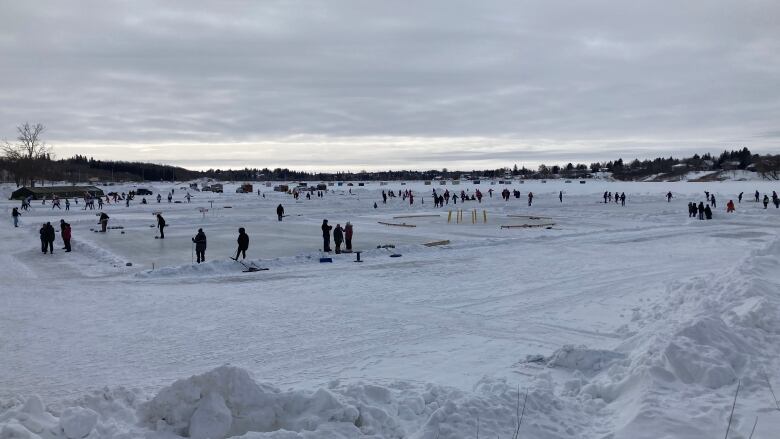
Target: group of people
column 340, row 235
column 700, row 210
column 48, row 235
column 620, row 198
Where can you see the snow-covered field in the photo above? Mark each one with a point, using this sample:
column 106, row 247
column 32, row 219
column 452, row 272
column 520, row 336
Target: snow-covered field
column 616, row 322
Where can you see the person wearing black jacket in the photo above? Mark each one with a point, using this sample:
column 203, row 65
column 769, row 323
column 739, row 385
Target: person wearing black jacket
column 708, row 212
column 243, row 243
column 103, row 222
column 326, row 236
column 701, row 210
column 44, row 244
column 161, row 225
column 338, row 237
column 280, row 212
column 47, row 238
column 200, row 246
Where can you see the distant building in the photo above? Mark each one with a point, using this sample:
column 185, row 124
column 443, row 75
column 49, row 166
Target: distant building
column 49, row 192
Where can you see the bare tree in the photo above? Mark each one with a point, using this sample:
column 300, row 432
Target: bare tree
column 28, row 153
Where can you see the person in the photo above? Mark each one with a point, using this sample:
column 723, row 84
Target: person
column 712, row 201
column 200, row 246
column 170, row 196
column 730, row 206
column 384, row 197
column 669, row 197
column 701, row 210
column 44, row 242
column 530, row 198
column 326, row 236
column 605, row 197
column 338, row 237
column 707, row 194
column 100, row 202
column 560, row 196
column 49, row 236
column 740, row 197
column 348, row 236
column 15, row 214
column 708, row 212
column 243, row 243
column 65, row 232
column 159, row 198
column 280, row 211
column 757, row 196
column 161, row 225
column 622, row 198
column 775, row 200
column 143, row 200
column 188, row 196
column 67, row 204
column 103, row 221
column 766, row 201
column 691, row 209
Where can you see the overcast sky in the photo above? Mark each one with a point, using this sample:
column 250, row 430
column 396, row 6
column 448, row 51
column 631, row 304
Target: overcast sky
column 364, row 84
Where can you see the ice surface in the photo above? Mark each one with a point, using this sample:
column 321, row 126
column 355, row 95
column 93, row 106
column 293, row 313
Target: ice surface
column 641, row 320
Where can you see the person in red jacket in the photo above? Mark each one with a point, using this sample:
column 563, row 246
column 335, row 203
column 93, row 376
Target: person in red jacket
column 730, row 206
column 66, row 233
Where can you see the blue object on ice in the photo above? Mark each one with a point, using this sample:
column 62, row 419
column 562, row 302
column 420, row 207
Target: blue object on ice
column 323, row 260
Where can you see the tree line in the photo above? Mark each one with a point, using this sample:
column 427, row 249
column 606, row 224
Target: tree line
column 29, row 160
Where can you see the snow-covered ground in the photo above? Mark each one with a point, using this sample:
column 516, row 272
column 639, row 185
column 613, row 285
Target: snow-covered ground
column 619, row 322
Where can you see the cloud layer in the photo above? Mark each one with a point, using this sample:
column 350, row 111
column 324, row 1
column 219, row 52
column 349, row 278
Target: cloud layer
column 367, row 85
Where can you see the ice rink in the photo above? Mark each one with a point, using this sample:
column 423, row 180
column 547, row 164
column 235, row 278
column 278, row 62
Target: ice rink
column 607, row 315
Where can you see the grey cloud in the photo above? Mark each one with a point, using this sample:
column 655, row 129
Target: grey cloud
column 569, row 76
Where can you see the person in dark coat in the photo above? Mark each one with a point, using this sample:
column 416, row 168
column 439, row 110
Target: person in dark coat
column 103, row 222
column 701, row 210
column 47, row 238
column 15, row 214
column 740, row 197
column 766, row 201
column 348, row 236
column 243, row 243
column 691, row 209
column 757, row 196
column 66, row 233
column 200, row 246
column 326, row 236
column 623, row 199
column 161, row 225
column 708, row 212
column 280, row 211
column 338, row 237
column 713, row 202
column 669, row 197
column 44, row 244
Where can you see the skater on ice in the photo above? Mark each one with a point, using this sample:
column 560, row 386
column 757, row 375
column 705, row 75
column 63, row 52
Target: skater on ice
column 243, row 244
column 65, row 232
column 161, row 225
column 103, row 221
column 338, row 237
column 15, row 214
column 200, row 246
column 326, row 236
column 280, row 212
